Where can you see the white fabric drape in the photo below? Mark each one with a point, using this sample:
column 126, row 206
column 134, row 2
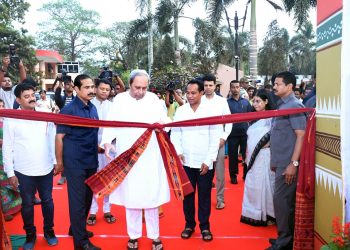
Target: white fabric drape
column 345, row 106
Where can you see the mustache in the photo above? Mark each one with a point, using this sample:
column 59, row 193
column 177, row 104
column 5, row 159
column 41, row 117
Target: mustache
column 91, row 94
column 32, row 101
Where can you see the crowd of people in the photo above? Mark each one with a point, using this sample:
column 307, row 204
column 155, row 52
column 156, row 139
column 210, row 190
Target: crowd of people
column 268, row 149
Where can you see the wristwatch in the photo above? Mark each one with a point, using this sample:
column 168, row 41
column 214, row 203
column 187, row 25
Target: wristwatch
column 295, row 163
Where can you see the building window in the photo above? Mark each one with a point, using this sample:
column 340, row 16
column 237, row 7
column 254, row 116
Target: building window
column 69, row 67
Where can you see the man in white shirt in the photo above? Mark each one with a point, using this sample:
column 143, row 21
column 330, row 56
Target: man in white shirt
column 28, row 156
column 103, row 105
column 219, row 106
column 6, row 88
column 145, row 187
column 45, row 104
column 197, row 148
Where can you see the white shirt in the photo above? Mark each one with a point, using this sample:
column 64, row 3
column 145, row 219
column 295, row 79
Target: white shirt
column 198, row 144
column 45, row 105
column 146, row 184
column 219, row 106
column 28, row 147
column 102, row 111
column 8, row 97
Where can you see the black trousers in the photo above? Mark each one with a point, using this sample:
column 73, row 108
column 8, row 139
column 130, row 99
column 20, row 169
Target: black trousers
column 79, row 199
column 233, row 143
column 204, row 185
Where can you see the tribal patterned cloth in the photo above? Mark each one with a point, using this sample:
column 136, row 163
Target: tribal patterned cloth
column 305, row 195
column 106, row 180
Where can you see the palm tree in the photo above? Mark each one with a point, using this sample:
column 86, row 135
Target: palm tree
column 299, row 7
column 167, row 15
column 302, row 56
column 141, row 5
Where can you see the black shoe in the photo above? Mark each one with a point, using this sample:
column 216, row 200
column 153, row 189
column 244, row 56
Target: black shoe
column 50, row 237
column 278, row 247
column 89, row 233
column 87, row 246
column 36, row 201
column 234, row 180
column 272, row 241
column 30, row 241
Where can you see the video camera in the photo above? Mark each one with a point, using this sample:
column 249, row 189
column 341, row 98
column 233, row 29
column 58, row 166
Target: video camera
column 170, row 86
column 106, row 74
column 64, row 77
column 14, row 58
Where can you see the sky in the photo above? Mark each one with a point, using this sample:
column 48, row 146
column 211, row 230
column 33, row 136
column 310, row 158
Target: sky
column 125, row 10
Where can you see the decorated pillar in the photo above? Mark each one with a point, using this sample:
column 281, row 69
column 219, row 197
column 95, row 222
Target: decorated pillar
column 329, row 201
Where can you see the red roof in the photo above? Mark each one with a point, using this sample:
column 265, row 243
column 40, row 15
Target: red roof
column 49, row 56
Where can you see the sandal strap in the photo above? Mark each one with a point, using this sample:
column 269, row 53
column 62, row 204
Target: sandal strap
column 109, row 218
column 133, row 244
column 187, row 232
column 156, row 244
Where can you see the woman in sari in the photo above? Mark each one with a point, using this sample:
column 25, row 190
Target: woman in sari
column 257, row 207
column 10, row 197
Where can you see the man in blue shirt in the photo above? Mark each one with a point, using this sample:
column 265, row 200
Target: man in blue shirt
column 76, row 153
column 238, row 136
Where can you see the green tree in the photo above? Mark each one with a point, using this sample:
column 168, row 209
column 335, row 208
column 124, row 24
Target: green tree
column 216, row 7
column 300, row 10
column 302, row 53
column 70, row 29
column 14, row 11
column 113, row 43
column 209, row 46
column 136, row 44
column 167, row 16
column 273, row 56
column 141, row 6
column 165, row 53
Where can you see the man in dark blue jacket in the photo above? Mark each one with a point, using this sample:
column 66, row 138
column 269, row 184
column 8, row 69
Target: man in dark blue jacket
column 238, row 137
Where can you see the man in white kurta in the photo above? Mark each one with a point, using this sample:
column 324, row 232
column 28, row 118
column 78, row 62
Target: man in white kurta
column 103, row 105
column 145, row 186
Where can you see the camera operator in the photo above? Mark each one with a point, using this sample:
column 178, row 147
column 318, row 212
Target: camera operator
column 172, row 100
column 68, row 96
column 7, row 89
column 119, row 87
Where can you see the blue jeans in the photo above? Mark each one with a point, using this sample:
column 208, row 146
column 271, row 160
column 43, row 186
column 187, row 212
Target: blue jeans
column 28, row 185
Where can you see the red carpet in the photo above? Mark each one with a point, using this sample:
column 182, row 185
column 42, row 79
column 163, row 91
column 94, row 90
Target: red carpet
column 227, row 230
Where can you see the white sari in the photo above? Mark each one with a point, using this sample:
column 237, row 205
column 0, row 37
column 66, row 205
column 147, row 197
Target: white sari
column 257, row 204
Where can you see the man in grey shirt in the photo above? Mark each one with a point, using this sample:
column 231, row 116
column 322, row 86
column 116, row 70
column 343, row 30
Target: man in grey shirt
column 286, row 140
